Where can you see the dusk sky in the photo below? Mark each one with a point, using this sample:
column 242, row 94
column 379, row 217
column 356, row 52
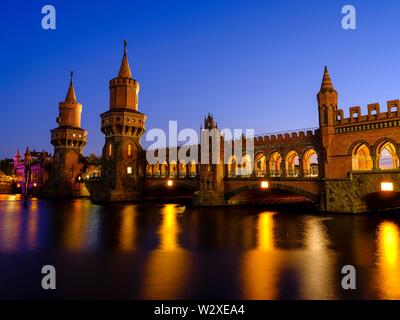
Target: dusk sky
column 252, row 64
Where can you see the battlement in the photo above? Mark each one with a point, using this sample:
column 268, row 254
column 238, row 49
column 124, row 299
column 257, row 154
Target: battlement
column 122, row 81
column 285, row 137
column 374, row 113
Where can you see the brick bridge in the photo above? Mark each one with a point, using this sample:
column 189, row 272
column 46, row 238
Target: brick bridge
column 347, row 164
column 344, row 165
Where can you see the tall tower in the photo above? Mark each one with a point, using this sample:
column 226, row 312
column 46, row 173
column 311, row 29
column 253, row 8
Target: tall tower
column 122, row 125
column 327, row 109
column 211, row 174
column 68, row 140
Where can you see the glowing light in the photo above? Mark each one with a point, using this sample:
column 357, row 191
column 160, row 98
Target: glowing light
column 170, row 183
column 35, row 184
column 264, row 184
column 18, row 185
column 386, row 186
column 129, row 170
column 388, row 258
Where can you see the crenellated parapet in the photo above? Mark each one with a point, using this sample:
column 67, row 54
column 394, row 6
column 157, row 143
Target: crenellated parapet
column 286, row 138
column 373, row 116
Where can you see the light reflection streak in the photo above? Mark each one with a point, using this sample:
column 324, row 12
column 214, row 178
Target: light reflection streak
column 317, row 272
column 388, row 259
column 168, row 266
column 260, row 265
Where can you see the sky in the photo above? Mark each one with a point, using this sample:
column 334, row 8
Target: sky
column 252, row 64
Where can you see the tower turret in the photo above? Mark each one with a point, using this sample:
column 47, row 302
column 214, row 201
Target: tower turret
column 327, row 108
column 327, row 101
column 122, row 125
column 68, row 140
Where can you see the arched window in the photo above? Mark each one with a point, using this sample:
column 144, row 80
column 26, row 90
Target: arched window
column 156, row 170
column 260, row 165
column 129, row 150
column 172, row 168
column 246, row 167
column 292, row 164
column 361, row 158
column 232, row 166
column 325, row 115
column 310, row 163
column 149, row 170
column 192, row 168
column 275, row 165
column 110, row 150
column 182, row 168
column 387, row 156
column 164, row 169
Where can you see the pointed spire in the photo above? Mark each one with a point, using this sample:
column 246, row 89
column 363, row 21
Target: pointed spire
column 125, row 70
column 71, row 97
column 326, row 81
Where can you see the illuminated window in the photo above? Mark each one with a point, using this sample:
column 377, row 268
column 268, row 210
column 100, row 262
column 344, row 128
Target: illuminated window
column 264, row 184
column 386, row 186
column 275, row 165
column 129, row 170
column 110, row 150
column 387, row 156
column 129, row 150
column 361, row 158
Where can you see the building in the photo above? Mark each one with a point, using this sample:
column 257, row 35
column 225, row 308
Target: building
column 33, row 169
column 343, row 165
column 68, row 140
column 122, row 169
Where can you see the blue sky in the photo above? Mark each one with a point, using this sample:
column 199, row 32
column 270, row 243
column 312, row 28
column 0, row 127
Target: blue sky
column 253, row 64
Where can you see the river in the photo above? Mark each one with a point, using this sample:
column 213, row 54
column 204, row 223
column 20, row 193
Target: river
column 170, row 251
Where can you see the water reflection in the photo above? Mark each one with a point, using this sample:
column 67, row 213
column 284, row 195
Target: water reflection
column 260, row 266
column 168, row 266
column 317, row 263
column 75, row 227
column 127, row 233
column 172, row 252
column 33, row 227
column 388, row 259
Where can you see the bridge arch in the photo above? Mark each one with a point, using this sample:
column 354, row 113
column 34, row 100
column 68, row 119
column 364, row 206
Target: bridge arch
column 177, row 183
column 273, row 186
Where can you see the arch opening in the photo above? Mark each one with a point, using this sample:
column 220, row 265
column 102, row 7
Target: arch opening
column 260, row 165
column 387, row 156
column 361, row 158
column 292, row 164
column 275, row 165
column 310, row 164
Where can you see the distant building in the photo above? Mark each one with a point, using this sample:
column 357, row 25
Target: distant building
column 36, row 164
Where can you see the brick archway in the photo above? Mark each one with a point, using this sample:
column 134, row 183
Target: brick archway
column 273, row 185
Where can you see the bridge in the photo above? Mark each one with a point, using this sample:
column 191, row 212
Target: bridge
column 346, row 164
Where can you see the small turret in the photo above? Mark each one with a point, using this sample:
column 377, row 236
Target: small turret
column 209, row 122
column 27, row 156
column 327, row 101
column 124, row 90
column 70, row 109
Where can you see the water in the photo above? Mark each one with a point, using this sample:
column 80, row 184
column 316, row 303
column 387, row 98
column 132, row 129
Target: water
column 126, row 251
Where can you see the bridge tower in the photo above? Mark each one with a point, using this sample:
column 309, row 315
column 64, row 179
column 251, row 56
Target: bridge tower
column 68, row 140
column 123, row 125
column 211, row 173
column 327, row 110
